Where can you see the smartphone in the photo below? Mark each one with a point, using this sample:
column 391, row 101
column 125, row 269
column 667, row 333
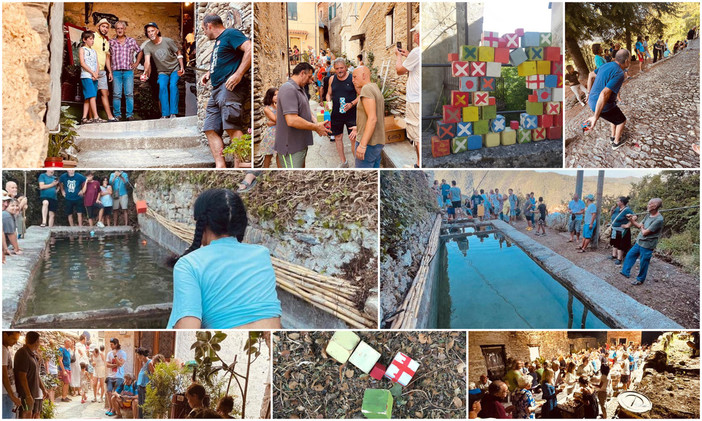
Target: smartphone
column 399, row 45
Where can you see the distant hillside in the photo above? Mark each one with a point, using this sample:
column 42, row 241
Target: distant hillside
column 555, row 188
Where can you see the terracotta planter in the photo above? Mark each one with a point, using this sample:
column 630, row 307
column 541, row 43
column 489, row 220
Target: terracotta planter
column 241, row 164
column 53, row 162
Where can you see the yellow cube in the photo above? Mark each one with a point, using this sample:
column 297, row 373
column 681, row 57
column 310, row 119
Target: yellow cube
column 486, row 53
column 543, row 67
column 527, row 68
column 491, row 139
column 508, row 137
column 471, row 114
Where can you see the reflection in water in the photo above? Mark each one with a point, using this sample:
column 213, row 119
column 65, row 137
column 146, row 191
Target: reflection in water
column 486, row 283
column 83, row 272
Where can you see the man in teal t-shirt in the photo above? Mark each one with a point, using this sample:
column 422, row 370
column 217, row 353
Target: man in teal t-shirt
column 71, row 184
column 119, row 180
column 576, row 207
column 48, row 183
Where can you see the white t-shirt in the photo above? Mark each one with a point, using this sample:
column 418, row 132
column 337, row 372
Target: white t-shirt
column 412, row 64
column 7, row 361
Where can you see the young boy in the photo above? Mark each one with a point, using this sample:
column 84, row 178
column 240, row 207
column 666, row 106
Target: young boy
column 89, row 78
column 542, row 217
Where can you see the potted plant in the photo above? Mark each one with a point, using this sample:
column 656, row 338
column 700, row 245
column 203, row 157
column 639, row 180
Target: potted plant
column 167, row 380
column 240, row 149
column 60, row 141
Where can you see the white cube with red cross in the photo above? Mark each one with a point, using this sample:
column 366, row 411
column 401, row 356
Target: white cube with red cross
column 401, row 369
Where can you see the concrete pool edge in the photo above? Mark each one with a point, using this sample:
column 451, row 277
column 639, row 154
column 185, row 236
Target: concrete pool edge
column 615, row 307
column 120, row 317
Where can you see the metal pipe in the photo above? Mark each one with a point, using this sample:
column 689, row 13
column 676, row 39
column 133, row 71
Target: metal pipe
column 439, row 117
column 449, row 65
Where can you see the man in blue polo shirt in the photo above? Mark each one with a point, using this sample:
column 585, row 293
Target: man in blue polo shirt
column 576, row 208
column 603, row 84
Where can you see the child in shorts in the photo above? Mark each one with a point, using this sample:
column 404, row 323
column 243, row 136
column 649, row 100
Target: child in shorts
column 89, row 78
column 541, row 224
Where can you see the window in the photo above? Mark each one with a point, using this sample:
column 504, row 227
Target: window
column 332, row 11
column 534, row 353
column 292, row 11
column 494, row 361
column 389, row 28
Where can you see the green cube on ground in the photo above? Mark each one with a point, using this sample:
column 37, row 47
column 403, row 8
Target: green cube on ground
column 342, row 345
column 523, row 135
column 508, row 137
column 377, row 404
column 459, row 144
column 481, row 127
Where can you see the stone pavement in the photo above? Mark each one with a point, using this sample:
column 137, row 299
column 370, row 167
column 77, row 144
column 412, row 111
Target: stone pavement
column 76, row 410
column 662, row 109
column 323, row 153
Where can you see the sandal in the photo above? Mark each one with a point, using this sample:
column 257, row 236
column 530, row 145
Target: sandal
column 247, row 186
column 85, row 121
column 113, row 120
column 42, row 225
column 99, row 120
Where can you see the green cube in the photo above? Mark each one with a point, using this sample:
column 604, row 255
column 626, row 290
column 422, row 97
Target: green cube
column 545, row 39
column 481, row 127
column 459, row 144
column 523, row 135
column 534, row 53
column 377, row 404
column 342, row 345
column 534, row 108
column 488, row 112
column 469, row 53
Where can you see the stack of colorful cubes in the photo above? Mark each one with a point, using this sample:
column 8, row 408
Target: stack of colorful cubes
column 377, row 403
column 471, row 121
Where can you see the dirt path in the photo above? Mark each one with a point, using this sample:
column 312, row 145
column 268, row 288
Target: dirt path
column 662, row 109
column 667, row 289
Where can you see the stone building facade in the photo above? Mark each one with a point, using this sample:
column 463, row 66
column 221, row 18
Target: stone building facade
column 25, row 81
column 270, row 60
column 238, row 15
column 617, row 337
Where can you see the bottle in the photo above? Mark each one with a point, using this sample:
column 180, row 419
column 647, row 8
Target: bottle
column 327, row 119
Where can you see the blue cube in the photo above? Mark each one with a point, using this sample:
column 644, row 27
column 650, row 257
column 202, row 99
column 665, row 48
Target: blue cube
column 543, row 95
column 551, row 81
column 475, row 142
column 528, row 121
column 498, row 124
column 464, row 129
column 531, row 39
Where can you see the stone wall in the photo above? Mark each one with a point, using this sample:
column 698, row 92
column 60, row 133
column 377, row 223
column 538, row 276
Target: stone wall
column 126, row 341
column 270, row 58
column 234, row 15
column 614, row 336
column 25, row 79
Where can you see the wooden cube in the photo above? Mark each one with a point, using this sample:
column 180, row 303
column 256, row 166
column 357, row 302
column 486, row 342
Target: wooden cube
column 498, row 123
column 141, row 206
column 554, row 133
column 543, row 95
column 488, row 84
column 530, row 39
column 552, row 107
column 545, row 120
column 460, row 99
column 440, row 147
column 342, row 344
column 502, row 55
column 477, row 68
column 471, row 113
column 469, row 53
column 491, row 140
column 481, row 127
column 550, row 81
column 532, row 98
column 488, row 112
column 364, row 357
column 527, row 68
column 557, row 67
column 486, row 53
column 459, row 144
column 552, row 53
column 538, row 133
column 527, row 121
column 557, row 94
column 453, row 57
column 514, row 124
column 508, row 137
column 445, row 131
column 468, row 84
column 451, row 114
column 519, row 32
column 517, row 57
column 534, row 108
column 493, row 69
column 491, row 100
column 378, row 371
column 523, row 136
column 535, row 82
column 481, row 98
column 464, row 129
column 377, row 404
column 534, row 53
column 543, row 67
column 545, row 39
column 511, row 40
column 558, row 119
column 490, row 39
column 460, row 68
column 559, row 83
column 475, row 142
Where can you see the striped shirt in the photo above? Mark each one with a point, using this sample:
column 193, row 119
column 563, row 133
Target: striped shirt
column 122, row 54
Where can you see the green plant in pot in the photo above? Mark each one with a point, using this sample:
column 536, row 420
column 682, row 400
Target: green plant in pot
column 240, row 149
column 62, row 140
column 167, row 379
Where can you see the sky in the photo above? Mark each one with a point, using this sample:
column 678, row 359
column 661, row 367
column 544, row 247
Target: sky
column 506, row 16
column 608, row 173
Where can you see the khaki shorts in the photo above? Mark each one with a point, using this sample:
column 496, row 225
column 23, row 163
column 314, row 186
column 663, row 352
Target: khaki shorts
column 412, row 120
column 121, row 203
column 294, row 160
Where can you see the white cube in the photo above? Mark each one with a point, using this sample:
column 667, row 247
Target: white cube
column 494, row 69
column 364, row 357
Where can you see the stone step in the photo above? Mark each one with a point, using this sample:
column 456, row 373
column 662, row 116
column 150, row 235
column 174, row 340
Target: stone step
column 192, row 157
column 99, row 129
column 164, row 138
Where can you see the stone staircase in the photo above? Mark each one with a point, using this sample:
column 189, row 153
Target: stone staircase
column 168, row 143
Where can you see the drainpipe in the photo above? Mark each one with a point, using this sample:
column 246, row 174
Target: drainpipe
column 287, row 41
column 409, row 26
column 598, row 197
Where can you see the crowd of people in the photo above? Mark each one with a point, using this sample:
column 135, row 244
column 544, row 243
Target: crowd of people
column 579, row 383
column 353, row 105
column 102, row 201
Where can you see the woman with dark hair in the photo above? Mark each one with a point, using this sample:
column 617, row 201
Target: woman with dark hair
column 266, row 148
column 597, row 52
column 220, row 282
column 620, row 239
column 225, row 406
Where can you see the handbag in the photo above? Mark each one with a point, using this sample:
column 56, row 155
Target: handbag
column 608, row 230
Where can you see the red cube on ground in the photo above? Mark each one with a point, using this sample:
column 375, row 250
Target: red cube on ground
column 514, row 125
column 141, row 206
column 555, row 132
column 378, row 371
column 439, row 147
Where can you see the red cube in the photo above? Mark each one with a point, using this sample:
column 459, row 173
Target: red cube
column 545, row 120
column 532, row 98
column 141, row 206
column 514, row 125
column 439, row 147
column 554, row 132
column 491, row 100
column 552, row 53
column 558, row 119
column 502, row 54
column 378, row 371
column 452, row 57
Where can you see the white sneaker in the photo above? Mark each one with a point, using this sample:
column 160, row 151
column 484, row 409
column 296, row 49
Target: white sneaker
column 345, row 164
column 100, row 225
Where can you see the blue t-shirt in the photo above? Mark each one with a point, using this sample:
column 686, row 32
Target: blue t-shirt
column 619, row 217
column 611, row 76
column 47, row 193
column 226, row 55
column 445, row 188
column 513, row 201
column 576, row 207
column 589, row 211
column 119, row 185
column 599, row 61
column 125, row 388
column 455, row 194
column 143, row 378
column 639, row 46
column 72, row 185
column 66, row 358
column 225, row 284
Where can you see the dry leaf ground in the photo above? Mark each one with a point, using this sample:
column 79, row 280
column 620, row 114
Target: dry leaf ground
column 309, row 384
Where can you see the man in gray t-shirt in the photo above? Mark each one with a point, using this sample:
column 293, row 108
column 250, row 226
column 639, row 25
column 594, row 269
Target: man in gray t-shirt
column 651, row 228
column 168, row 59
column 30, row 388
column 294, row 127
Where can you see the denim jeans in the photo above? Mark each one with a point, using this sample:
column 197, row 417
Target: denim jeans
column 7, row 406
column 168, row 93
column 631, row 257
column 372, row 157
column 123, row 81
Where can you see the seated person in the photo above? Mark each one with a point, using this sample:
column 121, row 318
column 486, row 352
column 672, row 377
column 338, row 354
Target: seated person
column 125, row 396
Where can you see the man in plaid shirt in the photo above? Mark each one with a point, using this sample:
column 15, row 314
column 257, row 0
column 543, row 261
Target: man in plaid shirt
column 123, row 49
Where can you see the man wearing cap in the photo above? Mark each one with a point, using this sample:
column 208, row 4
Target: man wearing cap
column 411, row 66
column 576, row 208
column 122, row 51
column 168, row 58
column 114, row 362
column 230, row 65
column 102, row 48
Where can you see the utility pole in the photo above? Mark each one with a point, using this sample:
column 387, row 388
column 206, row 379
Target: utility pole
column 579, row 184
column 600, row 188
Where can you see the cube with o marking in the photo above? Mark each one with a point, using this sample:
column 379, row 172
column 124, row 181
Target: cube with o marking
column 468, row 84
column 342, row 345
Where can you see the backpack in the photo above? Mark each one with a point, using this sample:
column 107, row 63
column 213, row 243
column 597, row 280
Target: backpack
column 591, row 405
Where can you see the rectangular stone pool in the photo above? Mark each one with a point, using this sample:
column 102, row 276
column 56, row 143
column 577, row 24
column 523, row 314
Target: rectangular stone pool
column 485, row 281
column 80, row 272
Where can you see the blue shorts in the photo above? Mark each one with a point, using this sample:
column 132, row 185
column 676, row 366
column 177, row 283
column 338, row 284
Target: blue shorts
column 372, row 158
column 113, row 383
column 588, row 230
column 89, row 88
